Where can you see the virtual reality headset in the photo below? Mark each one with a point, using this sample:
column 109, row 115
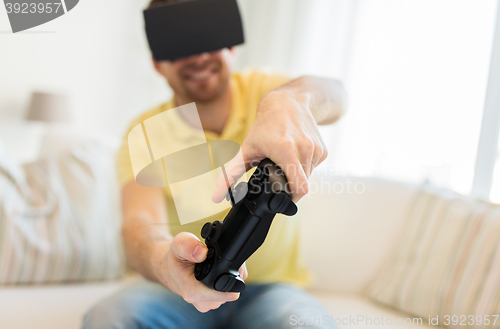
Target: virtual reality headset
column 192, row 27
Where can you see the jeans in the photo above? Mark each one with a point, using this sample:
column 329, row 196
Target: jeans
column 149, row 305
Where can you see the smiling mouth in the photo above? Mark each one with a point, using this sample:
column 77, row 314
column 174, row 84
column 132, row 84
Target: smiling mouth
column 202, row 75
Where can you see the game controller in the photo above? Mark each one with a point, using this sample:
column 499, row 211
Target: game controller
column 245, row 227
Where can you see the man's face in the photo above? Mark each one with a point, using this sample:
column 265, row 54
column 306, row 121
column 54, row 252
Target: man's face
column 198, row 78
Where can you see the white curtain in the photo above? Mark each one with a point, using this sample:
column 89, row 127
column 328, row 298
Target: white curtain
column 416, row 73
column 298, row 36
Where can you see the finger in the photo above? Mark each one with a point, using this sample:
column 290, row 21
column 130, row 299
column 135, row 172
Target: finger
column 243, row 272
column 324, row 155
column 310, row 163
column 305, row 151
column 230, row 175
column 196, row 292
column 295, row 175
column 187, row 247
column 205, row 307
column 322, row 152
column 319, row 156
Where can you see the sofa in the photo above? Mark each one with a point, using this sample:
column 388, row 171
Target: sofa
column 351, row 227
column 346, row 237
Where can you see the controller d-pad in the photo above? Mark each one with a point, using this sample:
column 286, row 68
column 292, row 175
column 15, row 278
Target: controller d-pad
column 206, row 268
column 197, row 270
column 210, row 252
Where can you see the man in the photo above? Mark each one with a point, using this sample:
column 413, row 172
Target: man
column 269, row 116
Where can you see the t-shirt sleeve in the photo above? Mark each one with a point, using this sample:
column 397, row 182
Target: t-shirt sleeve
column 254, row 84
column 272, row 81
column 123, row 164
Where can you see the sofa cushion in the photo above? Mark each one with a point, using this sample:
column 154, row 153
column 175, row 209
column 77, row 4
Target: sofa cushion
column 63, row 306
column 60, row 218
column 54, row 306
column 349, row 225
column 447, row 262
column 354, row 311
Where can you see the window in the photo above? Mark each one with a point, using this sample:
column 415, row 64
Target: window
column 417, row 84
column 416, row 73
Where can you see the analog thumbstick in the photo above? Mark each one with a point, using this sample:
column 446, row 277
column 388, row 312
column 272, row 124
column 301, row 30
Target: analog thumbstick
column 207, row 230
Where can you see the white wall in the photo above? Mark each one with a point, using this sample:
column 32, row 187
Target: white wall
column 97, row 53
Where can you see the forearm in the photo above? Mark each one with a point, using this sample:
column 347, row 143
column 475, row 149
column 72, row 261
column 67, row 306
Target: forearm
column 146, row 244
column 145, row 232
column 326, row 98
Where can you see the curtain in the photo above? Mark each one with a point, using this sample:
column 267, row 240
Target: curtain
column 415, row 71
column 298, row 36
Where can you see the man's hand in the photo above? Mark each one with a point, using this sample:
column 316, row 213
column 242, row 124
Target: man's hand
column 286, row 131
column 173, row 266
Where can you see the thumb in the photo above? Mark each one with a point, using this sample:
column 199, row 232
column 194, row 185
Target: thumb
column 186, row 246
column 243, row 271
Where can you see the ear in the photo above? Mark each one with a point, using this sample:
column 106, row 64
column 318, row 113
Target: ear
column 155, row 64
column 233, row 51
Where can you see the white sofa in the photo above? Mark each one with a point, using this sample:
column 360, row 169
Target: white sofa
column 347, row 235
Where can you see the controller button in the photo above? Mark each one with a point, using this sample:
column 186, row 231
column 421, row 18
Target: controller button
column 210, row 252
column 229, row 283
column 206, row 268
column 239, row 192
column 276, row 202
column 238, row 286
column 197, row 270
column 207, row 230
column 254, row 190
column 221, row 282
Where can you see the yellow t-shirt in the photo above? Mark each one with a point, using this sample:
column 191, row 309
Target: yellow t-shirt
column 280, row 258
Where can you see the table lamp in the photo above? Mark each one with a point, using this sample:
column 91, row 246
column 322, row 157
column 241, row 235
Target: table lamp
column 49, row 107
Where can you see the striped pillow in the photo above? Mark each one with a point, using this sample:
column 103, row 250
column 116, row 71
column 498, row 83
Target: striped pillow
column 447, row 262
column 60, row 218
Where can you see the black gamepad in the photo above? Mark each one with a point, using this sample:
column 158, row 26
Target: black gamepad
column 245, row 227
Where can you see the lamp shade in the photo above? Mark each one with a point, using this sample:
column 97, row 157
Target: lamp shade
column 49, row 107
